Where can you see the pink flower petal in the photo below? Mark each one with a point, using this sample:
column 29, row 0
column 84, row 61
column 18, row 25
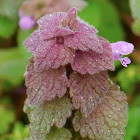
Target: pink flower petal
column 92, row 62
column 125, row 61
column 87, row 91
column 45, row 85
column 27, row 22
column 52, row 55
column 116, row 56
column 49, row 26
column 122, row 47
column 108, row 120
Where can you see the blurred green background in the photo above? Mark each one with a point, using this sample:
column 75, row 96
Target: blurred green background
column 115, row 19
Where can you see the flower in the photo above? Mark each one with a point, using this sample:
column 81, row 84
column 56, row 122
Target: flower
column 42, row 7
column 121, row 48
column 64, row 38
column 27, row 22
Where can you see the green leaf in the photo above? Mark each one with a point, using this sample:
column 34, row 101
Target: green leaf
column 104, row 16
column 19, row 132
column 8, row 17
column 13, row 71
column 7, row 27
column 59, row 134
column 135, row 8
column 136, row 27
column 128, row 78
column 22, row 35
column 9, row 8
column 133, row 127
column 107, row 121
column 12, row 66
column 7, row 117
column 92, row 13
column 76, row 136
column 6, row 54
column 111, row 27
column 43, row 117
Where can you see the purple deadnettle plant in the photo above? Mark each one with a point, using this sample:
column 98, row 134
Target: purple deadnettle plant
column 31, row 10
column 68, row 87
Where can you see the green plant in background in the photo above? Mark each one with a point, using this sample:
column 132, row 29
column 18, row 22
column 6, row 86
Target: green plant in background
column 104, row 15
column 19, row 132
column 128, row 78
column 7, row 116
column 8, row 17
column 135, row 9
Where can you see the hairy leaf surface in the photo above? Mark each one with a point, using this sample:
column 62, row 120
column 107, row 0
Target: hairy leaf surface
column 45, row 85
column 43, row 117
column 108, row 120
column 92, row 62
column 88, row 90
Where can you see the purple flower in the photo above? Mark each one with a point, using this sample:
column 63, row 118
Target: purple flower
column 26, row 22
column 63, row 38
column 121, row 48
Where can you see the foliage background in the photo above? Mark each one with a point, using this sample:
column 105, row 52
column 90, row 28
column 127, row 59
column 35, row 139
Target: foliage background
column 114, row 20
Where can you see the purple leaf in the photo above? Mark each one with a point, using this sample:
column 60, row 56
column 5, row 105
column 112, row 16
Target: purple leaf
column 53, row 55
column 45, row 85
column 84, row 39
column 92, row 62
column 33, row 42
column 49, row 26
column 108, row 120
column 87, row 91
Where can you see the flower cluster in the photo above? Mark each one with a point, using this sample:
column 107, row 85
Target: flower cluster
column 71, row 60
column 42, row 7
column 121, row 48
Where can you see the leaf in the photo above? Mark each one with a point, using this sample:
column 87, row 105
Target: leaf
column 87, row 91
column 133, row 127
column 9, row 8
column 76, row 136
column 48, row 54
column 92, row 62
column 7, row 27
column 111, row 27
column 12, row 66
column 13, row 71
column 22, row 35
column 128, row 78
column 6, row 54
column 108, row 120
column 136, row 27
column 59, row 134
column 7, row 117
column 92, row 13
column 19, row 132
column 43, row 117
column 45, row 85
column 104, row 16
column 135, row 8
column 8, row 17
